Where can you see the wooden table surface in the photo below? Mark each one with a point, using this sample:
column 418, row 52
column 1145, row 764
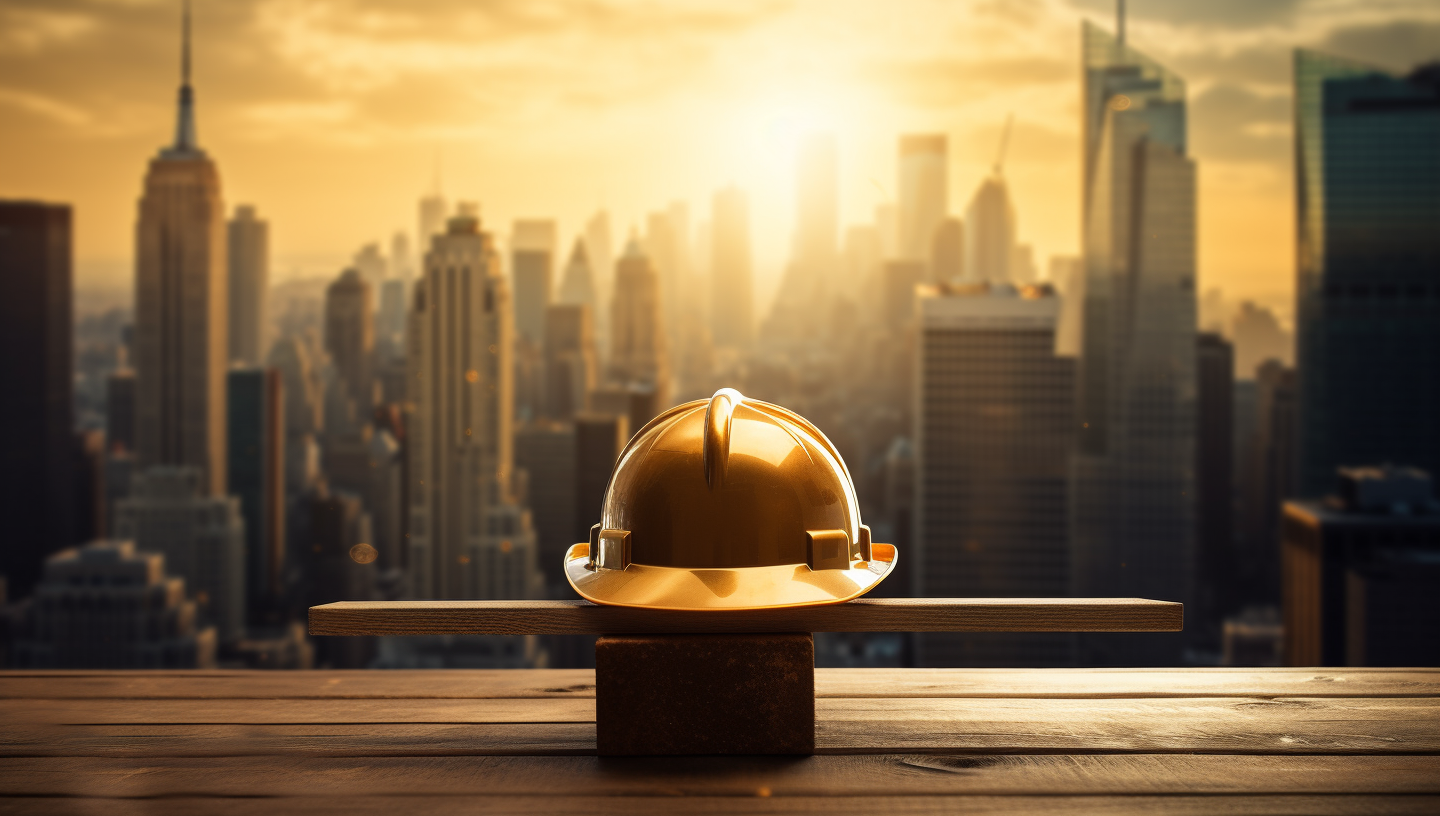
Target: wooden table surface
column 1303, row 741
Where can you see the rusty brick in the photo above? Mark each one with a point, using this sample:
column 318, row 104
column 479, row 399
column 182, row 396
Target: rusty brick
column 705, row 694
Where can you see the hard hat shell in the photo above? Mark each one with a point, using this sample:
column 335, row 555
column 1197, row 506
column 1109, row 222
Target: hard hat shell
column 728, row 503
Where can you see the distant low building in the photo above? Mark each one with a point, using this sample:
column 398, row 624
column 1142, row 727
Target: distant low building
column 202, row 538
column 106, row 606
column 1360, row 572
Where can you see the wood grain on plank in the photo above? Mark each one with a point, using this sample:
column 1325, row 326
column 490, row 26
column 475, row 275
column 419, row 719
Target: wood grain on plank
column 1235, row 725
column 761, row 803
column 717, row 776
column 877, row 615
column 319, row 739
column 317, row 684
column 579, row 683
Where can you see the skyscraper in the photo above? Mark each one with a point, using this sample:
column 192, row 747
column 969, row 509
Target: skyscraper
column 432, row 218
column 732, row 296
column 600, row 252
column 256, row 461
column 459, row 440
column 248, row 246
column 1134, row 506
column 546, row 451
column 1368, row 266
column 181, row 338
column 1270, row 474
column 402, row 265
column 35, row 332
column 532, row 266
column 300, row 388
column 924, row 194
column 1217, row 561
column 639, row 352
column 599, row 439
column 947, row 253
column 373, row 267
column 817, row 227
column 577, row 287
column 120, row 411
column 990, row 233
column 350, row 336
column 571, row 368
column 994, row 428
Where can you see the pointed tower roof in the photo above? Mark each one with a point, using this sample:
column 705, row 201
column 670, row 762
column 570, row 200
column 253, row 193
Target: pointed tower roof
column 186, row 144
column 632, row 246
column 579, row 284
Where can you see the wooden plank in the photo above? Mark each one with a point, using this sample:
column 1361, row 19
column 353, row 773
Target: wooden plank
column 1071, row 775
column 877, row 615
column 1234, row 725
column 1215, row 725
column 323, row 739
column 266, row 685
column 579, row 683
column 286, row 711
column 1102, row 683
column 761, row 803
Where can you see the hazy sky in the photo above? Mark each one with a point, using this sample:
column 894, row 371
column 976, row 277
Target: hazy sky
column 328, row 115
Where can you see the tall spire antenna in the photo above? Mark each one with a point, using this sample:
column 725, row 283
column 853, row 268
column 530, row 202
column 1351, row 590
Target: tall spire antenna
column 185, row 44
column 185, row 141
column 1120, row 25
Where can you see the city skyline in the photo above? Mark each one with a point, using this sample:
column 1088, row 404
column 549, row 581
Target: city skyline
column 342, row 90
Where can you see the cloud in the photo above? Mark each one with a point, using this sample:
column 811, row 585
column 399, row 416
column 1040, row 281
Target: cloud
column 1397, row 45
column 44, row 107
column 1212, row 13
column 1233, row 123
column 945, row 82
column 32, row 30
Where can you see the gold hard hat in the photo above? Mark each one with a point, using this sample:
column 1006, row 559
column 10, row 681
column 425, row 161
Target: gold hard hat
column 730, row 503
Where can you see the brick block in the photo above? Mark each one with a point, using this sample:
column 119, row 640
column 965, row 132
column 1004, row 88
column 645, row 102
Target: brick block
column 659, row 695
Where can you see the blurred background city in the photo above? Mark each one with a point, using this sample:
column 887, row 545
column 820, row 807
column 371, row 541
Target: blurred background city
column 1094, row 301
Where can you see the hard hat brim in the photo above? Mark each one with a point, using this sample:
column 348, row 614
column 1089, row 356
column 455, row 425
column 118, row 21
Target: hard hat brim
column 684, row 588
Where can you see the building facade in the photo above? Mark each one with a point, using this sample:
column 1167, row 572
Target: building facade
column 460, row 431
column 201, row 536
column 350, row 336
column 924, row 194
column 248, row 251
column 107, row 606
column 256, row 462
column 37, row 369
column 990, row 233
column 994, row 426
column 639, row 348
column 1360, row 570
column 1368, row 266
column 182, row 341
column 1134, row 508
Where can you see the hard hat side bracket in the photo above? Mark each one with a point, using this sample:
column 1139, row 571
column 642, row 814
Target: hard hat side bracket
column 827, row 549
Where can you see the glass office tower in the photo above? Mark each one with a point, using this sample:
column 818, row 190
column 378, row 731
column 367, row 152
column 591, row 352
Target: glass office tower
column 1133, row 518
column 1367, row 190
